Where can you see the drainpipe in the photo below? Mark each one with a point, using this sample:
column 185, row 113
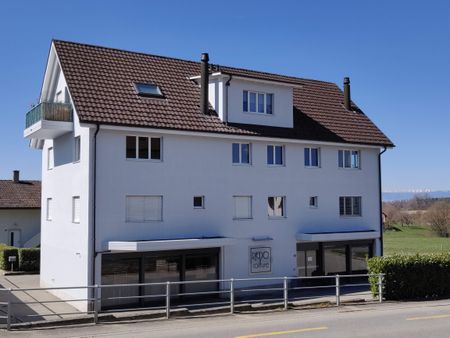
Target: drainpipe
column 381, row 199
column 227, row 84
column 94, row 203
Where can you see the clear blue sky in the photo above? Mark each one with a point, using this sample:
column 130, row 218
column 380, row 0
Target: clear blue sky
column 397, row 54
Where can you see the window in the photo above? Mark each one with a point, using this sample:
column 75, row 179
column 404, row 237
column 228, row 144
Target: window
column 199, row 202
column 275, row 155
column 77, row 149
column 254, row 102
column 350, row 205
column 148, row 89
column 143, row 208
column 76, row 209
column 276, row 206
column 349, row 159
column 140, row 147
column 49, row 209
column 241, row 153
column 312, row 157
column 313, row 202
column 242, row 207
column 50, row 158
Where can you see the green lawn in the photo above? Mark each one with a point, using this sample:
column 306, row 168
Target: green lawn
column 414, row 239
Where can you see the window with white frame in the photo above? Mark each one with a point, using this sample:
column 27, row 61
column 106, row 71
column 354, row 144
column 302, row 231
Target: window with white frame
column 349, row 159
column 275, row 154
column 241, row 153
column 312, row 157
column 242, row 207
column 143, row 208
column 143, row 148
column 257, row 102
column 350, row 205
column 49, row 206
column 76, row 209
column 313, row 202
column 76, row 149
column 59, row 96
column 276, row 206
column 199, row 202
column 50, row 158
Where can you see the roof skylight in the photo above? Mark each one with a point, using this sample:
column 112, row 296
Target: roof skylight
column 148, row 89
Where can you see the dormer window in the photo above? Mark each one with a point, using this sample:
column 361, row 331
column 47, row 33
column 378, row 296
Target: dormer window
column 148, row 89
column 257, row 102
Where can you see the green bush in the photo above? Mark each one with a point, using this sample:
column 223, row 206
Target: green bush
column 412, row 276
column 4, row 255
column 29, row 259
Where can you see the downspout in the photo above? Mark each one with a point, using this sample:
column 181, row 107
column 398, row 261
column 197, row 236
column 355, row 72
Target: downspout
column 94, row 203
column 381, row 199
column 227, row 84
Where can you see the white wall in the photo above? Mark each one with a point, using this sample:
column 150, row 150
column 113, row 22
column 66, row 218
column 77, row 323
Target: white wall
column 64, row 244
column 26, row 221
column 202, row 166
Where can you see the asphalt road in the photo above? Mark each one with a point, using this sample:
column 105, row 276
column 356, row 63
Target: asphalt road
column 412, row 319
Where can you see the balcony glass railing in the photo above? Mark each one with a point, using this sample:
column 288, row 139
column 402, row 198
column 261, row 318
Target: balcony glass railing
column 49, row 111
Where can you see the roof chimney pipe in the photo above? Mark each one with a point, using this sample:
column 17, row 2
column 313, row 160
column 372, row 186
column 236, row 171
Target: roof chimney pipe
column 16, row 176
column 347, row 99
column 204, row 83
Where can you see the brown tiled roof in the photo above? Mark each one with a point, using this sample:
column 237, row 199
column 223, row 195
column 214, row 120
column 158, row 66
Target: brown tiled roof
column 101, row 82
column 21, row 195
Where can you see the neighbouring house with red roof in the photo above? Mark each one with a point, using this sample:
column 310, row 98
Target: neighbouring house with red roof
column 20, row 212
column 161, row 169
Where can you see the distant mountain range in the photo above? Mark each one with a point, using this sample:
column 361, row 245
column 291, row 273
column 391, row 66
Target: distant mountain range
column 406, row 195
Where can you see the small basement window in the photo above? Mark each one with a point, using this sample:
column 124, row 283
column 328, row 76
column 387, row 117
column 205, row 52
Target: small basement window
column 148, row 89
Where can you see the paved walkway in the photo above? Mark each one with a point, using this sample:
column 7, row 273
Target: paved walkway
column 45, row 306
column 37, row 311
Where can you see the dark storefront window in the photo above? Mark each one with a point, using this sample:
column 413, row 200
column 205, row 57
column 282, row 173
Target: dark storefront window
column 335, row 259
column 201, row 268
column 120, row 271
column 308, row 260
column 157, row 267
column 161, row 269
column 359, row 256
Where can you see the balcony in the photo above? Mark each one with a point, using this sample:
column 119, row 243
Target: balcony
column 48, row 120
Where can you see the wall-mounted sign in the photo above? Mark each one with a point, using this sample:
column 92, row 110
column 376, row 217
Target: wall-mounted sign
column 260, row 259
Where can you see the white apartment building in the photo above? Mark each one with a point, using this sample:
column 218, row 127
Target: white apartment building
column 160, row 169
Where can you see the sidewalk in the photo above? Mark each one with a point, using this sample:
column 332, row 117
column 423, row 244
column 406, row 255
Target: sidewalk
column 32, row 312
column 42, row 313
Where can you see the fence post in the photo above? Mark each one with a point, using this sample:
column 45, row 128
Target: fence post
column 168, row 300
column 338, row 291
column 231, row 295
column 380, row 288
column 9, row 309
column 285, row 293
column 96, row 304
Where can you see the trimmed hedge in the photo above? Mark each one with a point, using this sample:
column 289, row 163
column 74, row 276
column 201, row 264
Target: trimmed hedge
column 410, row 277
column 29, row 259
column 4, row 254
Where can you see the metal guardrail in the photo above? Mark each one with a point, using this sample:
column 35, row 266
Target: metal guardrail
column 50, row 111
column 231, row 290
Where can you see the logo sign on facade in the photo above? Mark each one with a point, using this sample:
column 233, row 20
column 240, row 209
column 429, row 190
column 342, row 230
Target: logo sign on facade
column 260, row 259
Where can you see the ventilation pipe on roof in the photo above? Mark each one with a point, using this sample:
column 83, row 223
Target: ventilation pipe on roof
column 347, row 100
column 16, row 176
column 204, row 83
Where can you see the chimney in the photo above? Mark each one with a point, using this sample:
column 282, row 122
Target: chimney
column 16, row 176
column 204, row 82
column 347, row 99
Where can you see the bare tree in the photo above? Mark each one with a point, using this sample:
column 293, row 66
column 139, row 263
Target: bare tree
column 438, row 216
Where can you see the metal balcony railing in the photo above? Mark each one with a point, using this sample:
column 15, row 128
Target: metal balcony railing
column 49, row 111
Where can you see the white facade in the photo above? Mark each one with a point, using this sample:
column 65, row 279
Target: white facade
column 196, row 164
column 23, row 223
